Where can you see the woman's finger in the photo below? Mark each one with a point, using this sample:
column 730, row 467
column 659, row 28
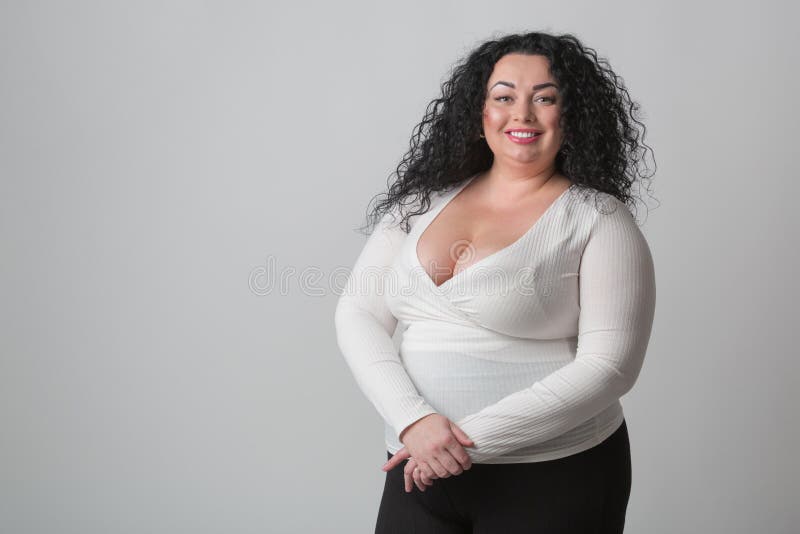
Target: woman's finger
column 408, row 481
column 462, row 459
column 425, row 480
column 461, row 436
column 449, row 461
column 417, row 474
column 426, row 470
column 408, row 475
column 396, row 459
column 439, row 470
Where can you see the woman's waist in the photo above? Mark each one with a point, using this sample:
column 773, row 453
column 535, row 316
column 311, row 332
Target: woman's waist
column 421, row 339
column 457, row 384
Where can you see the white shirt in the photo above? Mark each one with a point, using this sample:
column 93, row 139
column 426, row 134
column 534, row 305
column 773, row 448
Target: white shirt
column 528, row 350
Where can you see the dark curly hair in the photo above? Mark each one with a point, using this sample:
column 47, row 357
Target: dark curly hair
column 601, row 147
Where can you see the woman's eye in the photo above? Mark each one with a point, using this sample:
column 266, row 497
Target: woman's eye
column 548, row 99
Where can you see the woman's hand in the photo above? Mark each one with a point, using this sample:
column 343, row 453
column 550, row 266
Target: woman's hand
column 437, row 447
column 413, row 475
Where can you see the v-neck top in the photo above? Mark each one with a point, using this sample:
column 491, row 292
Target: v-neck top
column 434, row 213
column 528, row 350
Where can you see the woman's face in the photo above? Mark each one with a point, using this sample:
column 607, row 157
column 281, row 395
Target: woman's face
column 522, row 96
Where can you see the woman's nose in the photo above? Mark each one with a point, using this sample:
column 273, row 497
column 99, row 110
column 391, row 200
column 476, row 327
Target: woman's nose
column 524, row 111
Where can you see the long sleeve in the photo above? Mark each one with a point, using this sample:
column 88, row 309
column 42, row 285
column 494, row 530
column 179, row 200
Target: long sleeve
column 617, row 305
column 364, row 329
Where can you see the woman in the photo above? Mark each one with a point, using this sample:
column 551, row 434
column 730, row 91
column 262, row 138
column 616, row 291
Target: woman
column 524, row 292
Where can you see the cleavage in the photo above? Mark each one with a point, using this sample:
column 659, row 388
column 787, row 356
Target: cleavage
column 456, row 240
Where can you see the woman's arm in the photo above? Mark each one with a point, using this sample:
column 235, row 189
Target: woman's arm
column 617, row 305
column 364, row 329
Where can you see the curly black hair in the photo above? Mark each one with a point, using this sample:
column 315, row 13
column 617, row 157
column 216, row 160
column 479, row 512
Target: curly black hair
column 601, row 147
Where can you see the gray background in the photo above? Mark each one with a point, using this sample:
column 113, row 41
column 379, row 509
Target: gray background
column 155, row 155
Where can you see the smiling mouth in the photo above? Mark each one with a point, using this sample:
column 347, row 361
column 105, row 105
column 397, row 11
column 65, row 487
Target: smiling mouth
column 523, row 137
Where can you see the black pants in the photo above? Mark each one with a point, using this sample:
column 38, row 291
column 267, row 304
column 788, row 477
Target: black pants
column 585, row 493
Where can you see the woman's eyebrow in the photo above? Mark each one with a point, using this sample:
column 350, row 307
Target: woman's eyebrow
column 535, row 87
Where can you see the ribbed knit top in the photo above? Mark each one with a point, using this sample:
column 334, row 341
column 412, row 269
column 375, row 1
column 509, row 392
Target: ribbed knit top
column 528, row 350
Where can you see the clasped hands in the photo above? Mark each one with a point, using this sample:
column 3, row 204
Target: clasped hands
column 434, row 446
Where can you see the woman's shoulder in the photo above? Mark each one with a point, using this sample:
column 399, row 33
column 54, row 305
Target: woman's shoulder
column 597, row 210
column 602, row 203
column 411, row 209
